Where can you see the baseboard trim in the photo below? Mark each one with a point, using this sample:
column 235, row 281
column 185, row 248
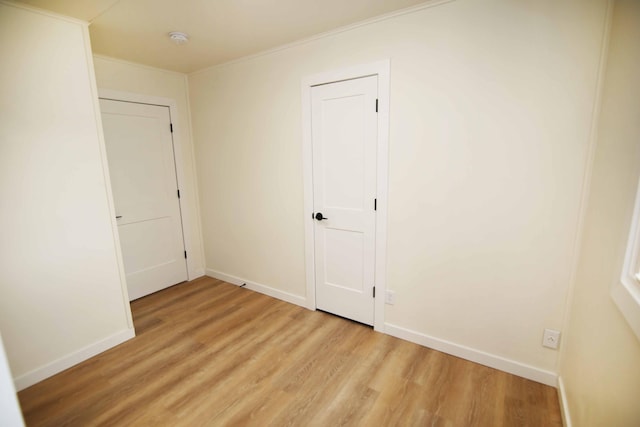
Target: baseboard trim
column 467, row 353
column 195, row 274
column 564, row 404
column 258, row 287
column 473, row 355
column 35, row 376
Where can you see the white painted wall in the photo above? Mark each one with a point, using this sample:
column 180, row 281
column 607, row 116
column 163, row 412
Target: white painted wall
column 134, row 78
column 600, row 364
column 62, row 293
column 10, row 414
column 491, row 106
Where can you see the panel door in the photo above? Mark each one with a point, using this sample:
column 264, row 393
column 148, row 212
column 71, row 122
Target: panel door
column 143, row 179
column 344, row 139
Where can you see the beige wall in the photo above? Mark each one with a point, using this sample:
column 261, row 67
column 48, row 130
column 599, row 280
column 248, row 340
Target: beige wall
column 600, row 365
column 491, row 106
column 62, row 293
column 125, row 76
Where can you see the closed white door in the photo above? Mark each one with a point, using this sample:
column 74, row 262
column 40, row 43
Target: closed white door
column 145, row 192
column 344, row 139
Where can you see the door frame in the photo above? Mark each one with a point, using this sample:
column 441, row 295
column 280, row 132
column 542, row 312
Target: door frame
column 380, row 69
column 185, row 191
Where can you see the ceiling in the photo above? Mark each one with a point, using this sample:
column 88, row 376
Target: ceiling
column 219, row 30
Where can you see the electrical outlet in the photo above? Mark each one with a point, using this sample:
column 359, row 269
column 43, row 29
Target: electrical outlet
column 390, row 298
column 551, row 338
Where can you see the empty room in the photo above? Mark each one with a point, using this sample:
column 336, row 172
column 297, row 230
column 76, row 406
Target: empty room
column 300, row 212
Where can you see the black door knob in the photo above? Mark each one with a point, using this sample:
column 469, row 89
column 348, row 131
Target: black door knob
column 319, row 216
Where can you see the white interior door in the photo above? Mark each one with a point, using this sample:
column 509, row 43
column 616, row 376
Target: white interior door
column 145, row 192
column 344, row 140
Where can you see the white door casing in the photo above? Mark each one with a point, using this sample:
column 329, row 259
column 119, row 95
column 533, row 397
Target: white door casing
column 144, row 184
column 355, row 228
column 344, row 137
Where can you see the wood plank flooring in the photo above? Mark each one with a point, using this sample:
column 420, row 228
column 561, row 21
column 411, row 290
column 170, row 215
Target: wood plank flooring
column 208, row 353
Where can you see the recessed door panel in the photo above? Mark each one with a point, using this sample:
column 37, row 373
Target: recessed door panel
column 343, row 259
column 342, row 154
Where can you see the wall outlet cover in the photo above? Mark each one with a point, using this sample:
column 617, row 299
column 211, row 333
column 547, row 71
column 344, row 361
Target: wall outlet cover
column 390, row 298
column 551, row 338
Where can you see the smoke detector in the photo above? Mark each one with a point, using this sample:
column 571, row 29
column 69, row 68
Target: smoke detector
column 178, row 38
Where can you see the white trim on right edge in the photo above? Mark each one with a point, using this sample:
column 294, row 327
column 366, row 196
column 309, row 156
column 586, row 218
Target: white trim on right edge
column 628, row 304
column 473, row 355
column 564, row 404
column 626, row 292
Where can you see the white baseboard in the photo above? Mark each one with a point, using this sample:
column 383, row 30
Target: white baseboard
column 196, row 273
column 467, row 353
column 564, row 404
column 487, row 359
column 52, row 368
column 257, row 287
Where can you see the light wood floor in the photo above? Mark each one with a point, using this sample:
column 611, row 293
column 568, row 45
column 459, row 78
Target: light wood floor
column 209, row 353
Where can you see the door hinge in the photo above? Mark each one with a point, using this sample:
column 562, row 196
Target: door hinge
column 171, row 126
column 178, row 193
column 374, row 291
column 376, row 105
column 185, row 254
column 375, row 204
